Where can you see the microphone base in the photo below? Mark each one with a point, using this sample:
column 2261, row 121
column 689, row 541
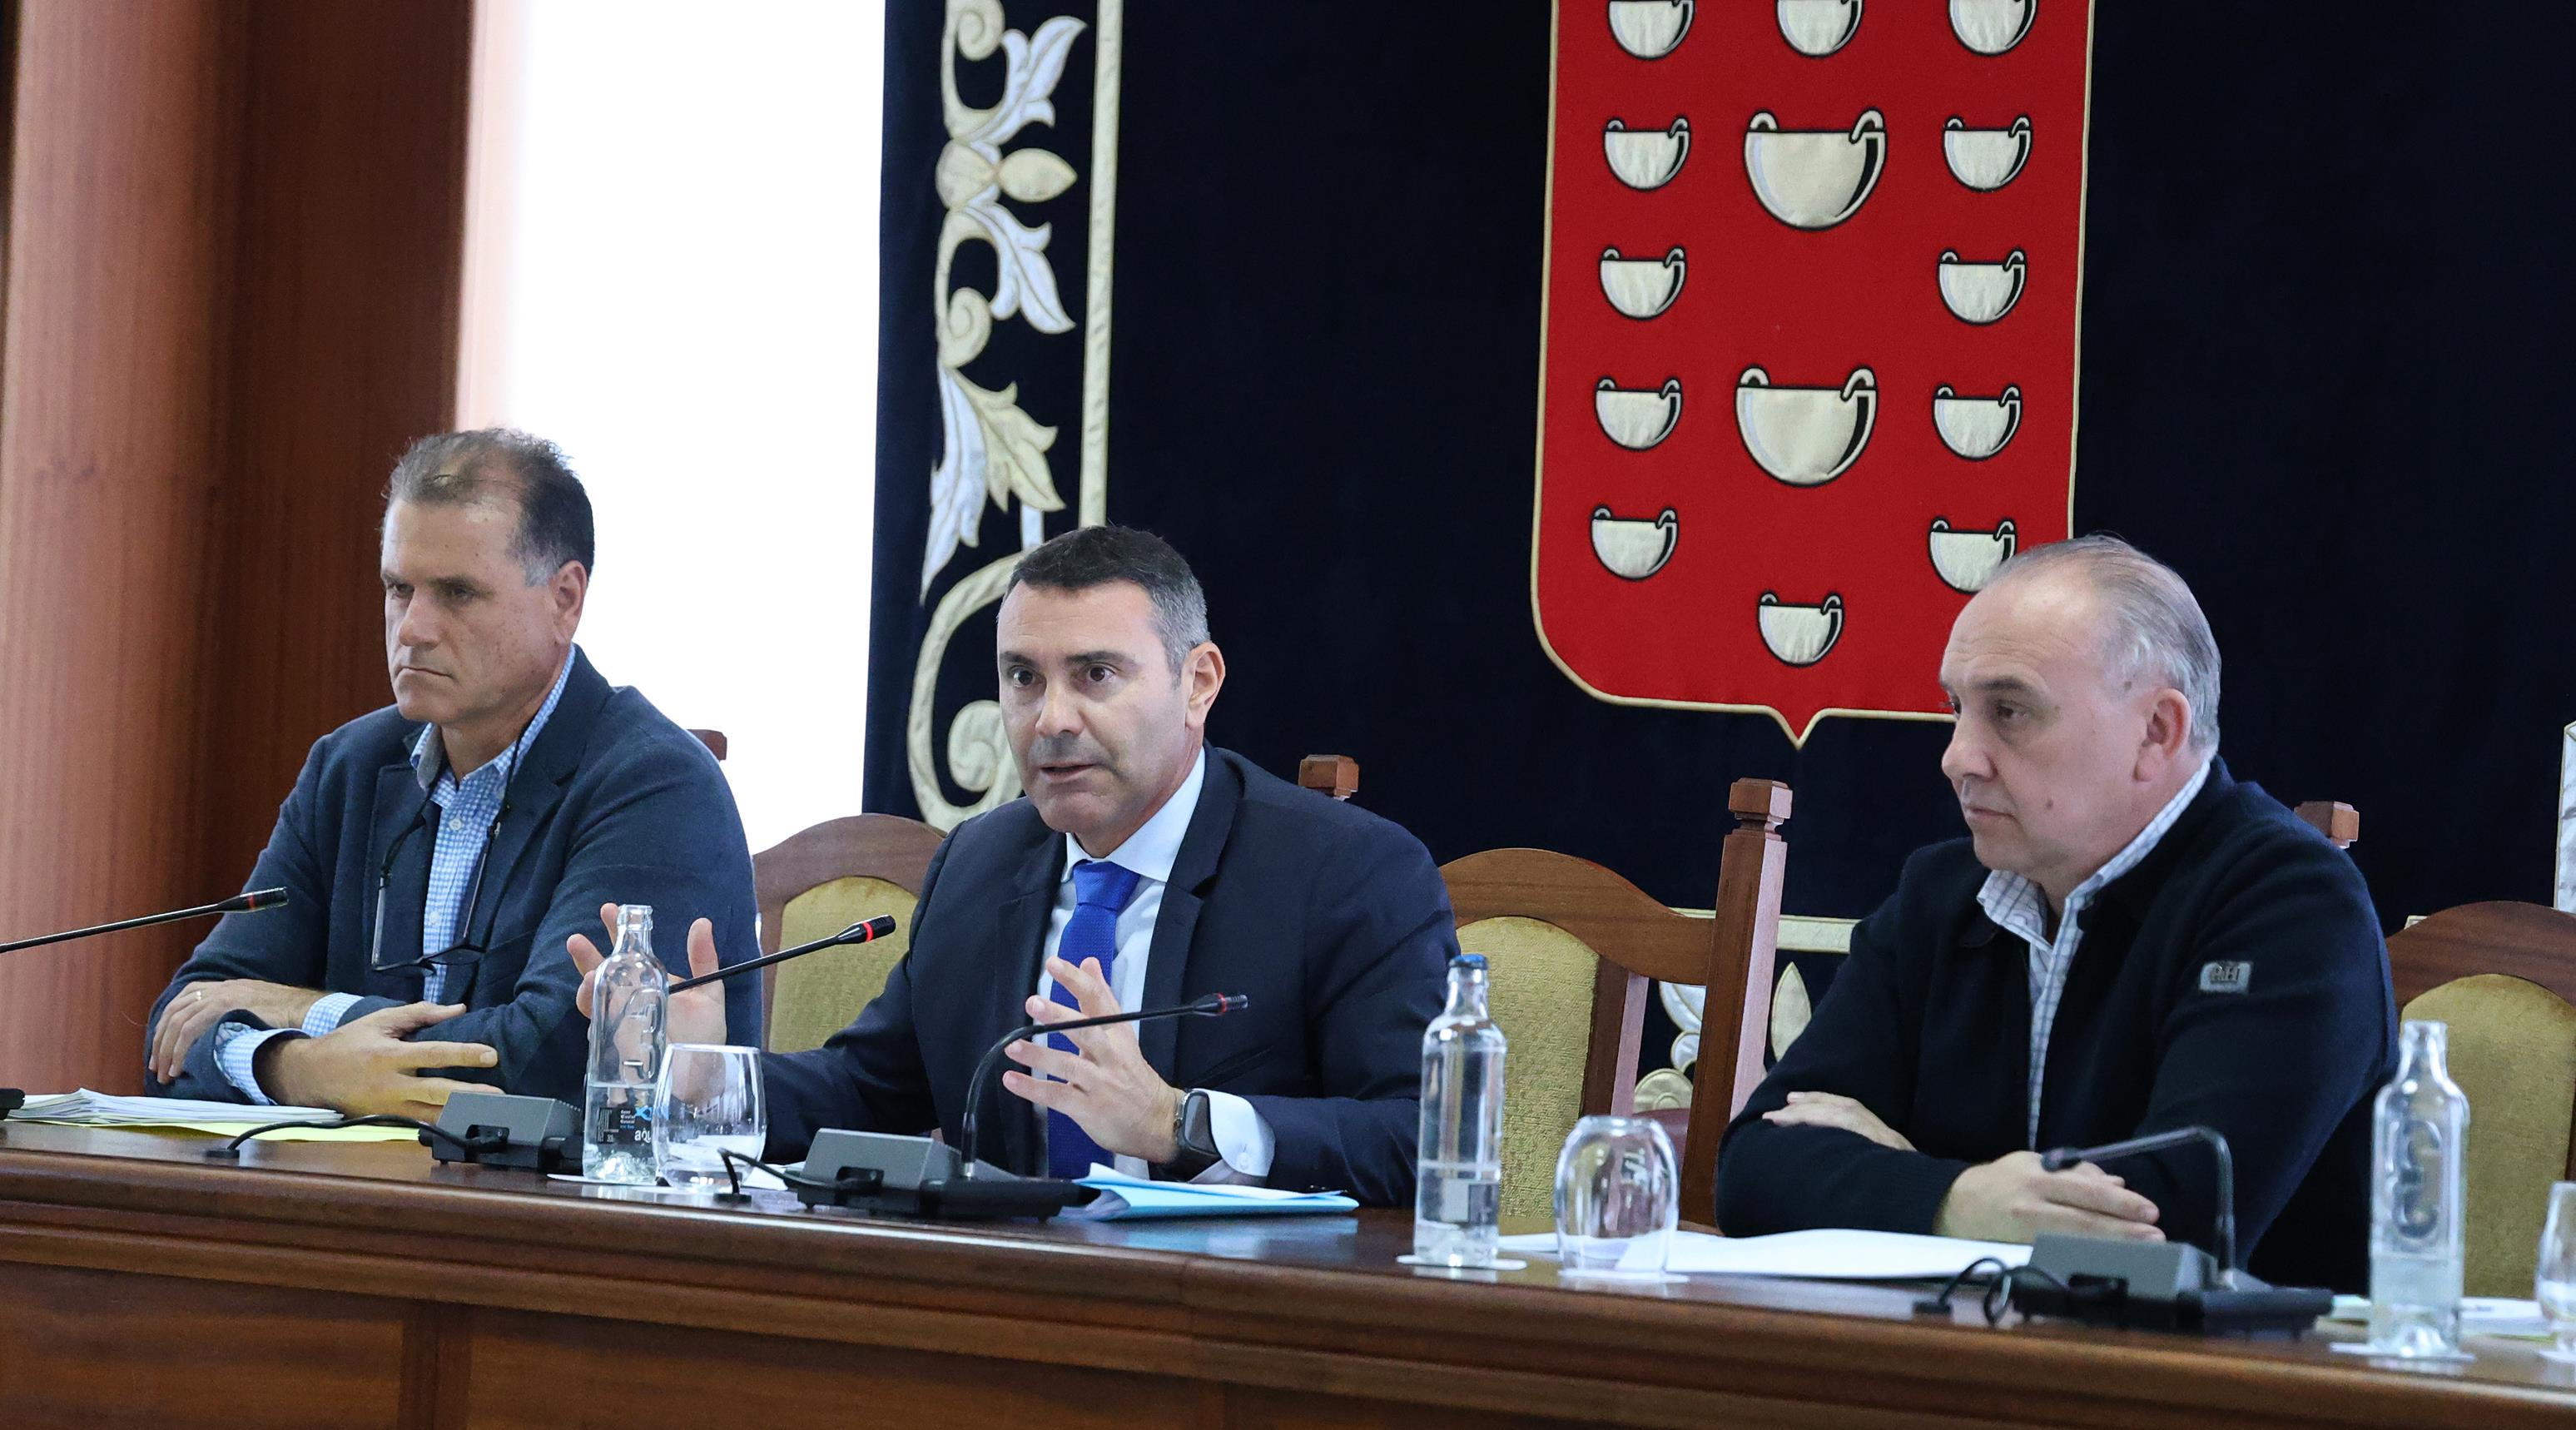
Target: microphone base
column 538, row 1131
column 916, row 1177
column 2157, row 1286
column 11, row 1099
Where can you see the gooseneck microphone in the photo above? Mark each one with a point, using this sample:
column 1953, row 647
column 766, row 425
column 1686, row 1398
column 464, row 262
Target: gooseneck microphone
column 1214, row 1005
column 2224, row 1229
column 11, row 1099
column 864, row 931
column 250, row 902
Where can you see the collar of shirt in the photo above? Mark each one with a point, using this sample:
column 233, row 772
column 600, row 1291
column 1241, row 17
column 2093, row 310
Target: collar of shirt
column 2019, row 906
column 1156, row 845
column 429, row 753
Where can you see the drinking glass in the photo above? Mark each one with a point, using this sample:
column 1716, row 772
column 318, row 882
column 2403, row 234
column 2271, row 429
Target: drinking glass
column 1618, row 1197
column 708, row 1103
column 2553, row 1278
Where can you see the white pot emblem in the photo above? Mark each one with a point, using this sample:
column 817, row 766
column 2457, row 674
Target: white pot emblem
column 1642, row 287
column 1649, row 29
column 1800, row 635
column 1817, row 28
column 1976, row 427
column 1814, row 178
column 1991, row 27
column 1805, row 436
column 1646, row 158
column 1967, row 560
column 1982, row 293
column 1985, row 159
column 1637, row 418
column 1634, row 548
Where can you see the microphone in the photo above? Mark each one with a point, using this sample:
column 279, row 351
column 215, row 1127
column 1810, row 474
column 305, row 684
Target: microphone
column 2225, row 1231
column 11, row 1099
column 2160, row 1285
column 864, row 931
column 250, row 902
column 916, row 1176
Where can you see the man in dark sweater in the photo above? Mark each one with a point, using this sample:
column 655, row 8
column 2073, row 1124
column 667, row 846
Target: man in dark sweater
column 2129, row 941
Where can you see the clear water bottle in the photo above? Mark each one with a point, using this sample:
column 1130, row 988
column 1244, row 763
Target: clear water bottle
column 626, row 1046
column 1458, row 1195
column 2418, row 1200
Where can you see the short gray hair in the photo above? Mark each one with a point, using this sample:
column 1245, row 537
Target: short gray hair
column 460, row 468
column 2150, row 620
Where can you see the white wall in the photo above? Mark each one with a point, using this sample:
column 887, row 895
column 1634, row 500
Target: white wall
column 672, row 270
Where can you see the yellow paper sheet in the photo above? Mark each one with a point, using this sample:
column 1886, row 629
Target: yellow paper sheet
column 235, row 1129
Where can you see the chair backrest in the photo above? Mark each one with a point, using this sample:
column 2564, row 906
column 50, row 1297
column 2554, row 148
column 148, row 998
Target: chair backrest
column 2503, row 977
column 1573, row 947
column 714, row 740
column 2340, row 823
column 1335, row 776
column 821, row 880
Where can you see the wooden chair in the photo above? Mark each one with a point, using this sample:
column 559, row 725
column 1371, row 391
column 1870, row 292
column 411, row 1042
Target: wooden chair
column 1334, row 776
column 1573, row 946
column 2503, row 977
column 817, row 882
column 714, row 740
column 2339, row 823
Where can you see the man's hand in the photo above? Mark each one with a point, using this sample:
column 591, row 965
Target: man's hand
column 1825, row 1109
column 1105, row 1085
column 364, row 1067
column 697, row 1016
column 200, row 1005
column 2012, row 1198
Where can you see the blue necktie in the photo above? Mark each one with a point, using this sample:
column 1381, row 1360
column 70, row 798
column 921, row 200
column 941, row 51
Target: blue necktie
column 1100, row 892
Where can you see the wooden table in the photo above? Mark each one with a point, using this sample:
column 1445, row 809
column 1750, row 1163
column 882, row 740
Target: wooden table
column 351, row 1285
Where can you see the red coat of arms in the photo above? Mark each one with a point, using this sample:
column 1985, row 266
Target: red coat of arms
column 1808, row 362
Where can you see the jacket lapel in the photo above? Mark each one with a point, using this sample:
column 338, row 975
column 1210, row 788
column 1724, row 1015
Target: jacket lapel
column 1021, row 943
column 1167, row 964
column 399, row 803
column 536, row 787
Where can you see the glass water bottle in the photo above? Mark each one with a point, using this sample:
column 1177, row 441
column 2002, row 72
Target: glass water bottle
column 2418, row 1200
column 626, row 1046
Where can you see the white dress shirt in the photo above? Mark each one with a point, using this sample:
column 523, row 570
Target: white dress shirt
column 1244, row 1142
column 2019, row 906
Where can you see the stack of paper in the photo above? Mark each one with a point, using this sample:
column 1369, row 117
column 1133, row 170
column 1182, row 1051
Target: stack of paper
column 1125, row 1198
column 222, row 1119
column 1825, row 1255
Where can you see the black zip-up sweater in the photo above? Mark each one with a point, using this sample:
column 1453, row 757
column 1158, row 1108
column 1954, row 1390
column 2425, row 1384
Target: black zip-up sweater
column 1928, row 1024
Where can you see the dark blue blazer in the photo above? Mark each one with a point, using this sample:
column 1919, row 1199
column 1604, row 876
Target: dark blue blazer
column 1928, row 1025
column 613, row 803
column 1333, row 920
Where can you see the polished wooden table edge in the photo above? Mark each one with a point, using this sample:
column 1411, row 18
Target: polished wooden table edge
column 832, row 1277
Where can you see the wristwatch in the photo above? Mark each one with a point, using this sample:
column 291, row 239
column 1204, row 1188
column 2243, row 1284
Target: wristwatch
column 1194, row 1134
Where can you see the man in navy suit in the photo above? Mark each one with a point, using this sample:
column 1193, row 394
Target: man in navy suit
column 1144, row 869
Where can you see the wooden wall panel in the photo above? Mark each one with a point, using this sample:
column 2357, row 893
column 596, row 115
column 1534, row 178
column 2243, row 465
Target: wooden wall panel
column 232, row 265
column 119, row 223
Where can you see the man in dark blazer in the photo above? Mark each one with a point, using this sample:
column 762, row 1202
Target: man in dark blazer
column 1144, row 869
column 437, row 853
column 2128, row 942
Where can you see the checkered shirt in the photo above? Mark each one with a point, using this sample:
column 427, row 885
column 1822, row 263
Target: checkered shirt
column 2020, row 907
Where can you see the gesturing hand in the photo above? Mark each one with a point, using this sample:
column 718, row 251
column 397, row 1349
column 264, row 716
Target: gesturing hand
column 2013, row 1198
column 198, row 1006
column 697, row 1016
column 365, row 1067
column 1105, row 1085
column 1826, row 1109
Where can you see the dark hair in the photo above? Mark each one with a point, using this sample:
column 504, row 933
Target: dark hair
column 455, row 468
column 1090, row 556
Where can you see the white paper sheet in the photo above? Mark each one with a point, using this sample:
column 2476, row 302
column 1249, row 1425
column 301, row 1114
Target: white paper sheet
column 1827, row 1255
column 98, row 1109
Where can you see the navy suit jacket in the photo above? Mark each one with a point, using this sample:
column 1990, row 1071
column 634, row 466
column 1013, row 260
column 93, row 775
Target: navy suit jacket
column 1333, row 920
column 612, row 804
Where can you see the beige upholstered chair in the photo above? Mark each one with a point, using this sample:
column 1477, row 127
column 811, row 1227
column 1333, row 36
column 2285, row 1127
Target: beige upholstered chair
column 820, row 881
column 1572, row 947
column 2503, row 977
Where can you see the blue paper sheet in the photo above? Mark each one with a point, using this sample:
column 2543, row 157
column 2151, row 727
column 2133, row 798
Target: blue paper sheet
column 1125, row 1198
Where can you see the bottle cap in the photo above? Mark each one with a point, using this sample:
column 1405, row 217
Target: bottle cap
column 1468, row 960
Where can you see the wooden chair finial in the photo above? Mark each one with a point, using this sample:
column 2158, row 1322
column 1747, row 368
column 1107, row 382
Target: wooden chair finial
column 1333, row 776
